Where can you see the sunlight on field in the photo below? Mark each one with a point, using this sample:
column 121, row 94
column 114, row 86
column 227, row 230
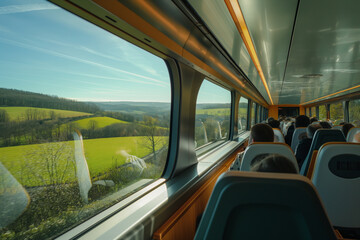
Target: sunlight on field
column 30, row 164
column 100, row 122
column 20, row 113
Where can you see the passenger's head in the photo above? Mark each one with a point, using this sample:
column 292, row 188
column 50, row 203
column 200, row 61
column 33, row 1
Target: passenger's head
column 261, row 133
column 274, row 163
column 311, row 129
column 345, row 128
column 270, row 119
column 302, row 121
column 313, row 119
column 274, row 124
column 325, row 125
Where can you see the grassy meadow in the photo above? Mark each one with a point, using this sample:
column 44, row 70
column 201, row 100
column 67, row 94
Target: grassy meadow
column 19, row 113
column 33, row 164
column 100, row 122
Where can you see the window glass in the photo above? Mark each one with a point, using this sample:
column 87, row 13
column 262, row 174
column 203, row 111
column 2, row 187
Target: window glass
column 253, row 109
column 354, row 112
column 313, row 112
column 322, row 113
column 213, row 108
column 258, row 114
column 84, row 119
column 242, row 114
column 336, row 113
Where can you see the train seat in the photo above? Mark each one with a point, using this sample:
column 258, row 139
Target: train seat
column 353, row 135
column 249, row 205
column 337, row 179
column 299, row 134
column 278, row 136
column 337, row 127
column 258, row 148
column 321, row 136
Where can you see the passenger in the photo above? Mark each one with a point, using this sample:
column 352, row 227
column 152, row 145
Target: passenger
column 259, row 133
column 274, row 163
column 325, row 124
column 300, row 121
column 313, row 119
column 304, row 145
column 274, row 124
column 345, row 128
column 270, row 119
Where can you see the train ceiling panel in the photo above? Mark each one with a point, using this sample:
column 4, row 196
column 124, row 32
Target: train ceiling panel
column 325, row 51
column 320, row 59
column 218, row 20
column 308, row 50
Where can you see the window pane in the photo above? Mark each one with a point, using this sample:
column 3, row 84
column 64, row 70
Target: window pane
column 85, row 119
column 258, row 114
column 253, row 108
column 212, row 115
column 322, row 113
column 313, row 112
column 336, row 113
column 242, row 114
column 354, row 112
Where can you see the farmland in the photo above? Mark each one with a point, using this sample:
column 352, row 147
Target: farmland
column 22, row 113
column 99, row 121
column 100, row 155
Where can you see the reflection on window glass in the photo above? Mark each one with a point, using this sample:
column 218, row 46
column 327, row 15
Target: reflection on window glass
column 253, row 109
column 336, row 113
column 322, row 113
column 354, row 112
column 242, row 114
column 84, row 119
column 212, row 114
column 313, row 112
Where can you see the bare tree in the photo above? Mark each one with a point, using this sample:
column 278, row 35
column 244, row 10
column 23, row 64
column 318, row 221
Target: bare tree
column 151, row 139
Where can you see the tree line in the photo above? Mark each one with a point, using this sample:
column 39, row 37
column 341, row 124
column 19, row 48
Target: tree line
column 12, row 97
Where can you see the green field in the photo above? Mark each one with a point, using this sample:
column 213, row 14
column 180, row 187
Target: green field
column 19, row 113
column 219, row 111
column 30, row 163
column 99, row 121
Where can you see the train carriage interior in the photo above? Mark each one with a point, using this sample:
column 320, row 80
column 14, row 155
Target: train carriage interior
column 124, row 119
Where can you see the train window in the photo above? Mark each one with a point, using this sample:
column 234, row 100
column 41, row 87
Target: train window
column 258, row 112
column 336, row 113
column 354, row 112
column 313, row 112
column 242, row 114
column 212, row 121
column 322, row 113
column 253, row 113
column 84, row 119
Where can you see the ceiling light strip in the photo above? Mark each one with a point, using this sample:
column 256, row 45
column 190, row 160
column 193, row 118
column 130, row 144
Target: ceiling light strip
column 238, row 18
column 348, row 89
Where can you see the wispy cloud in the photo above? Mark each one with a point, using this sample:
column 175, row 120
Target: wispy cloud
column 27, row 8
column 77, row 59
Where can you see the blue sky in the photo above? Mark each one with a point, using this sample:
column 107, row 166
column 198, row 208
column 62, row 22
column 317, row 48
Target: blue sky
column 47, row 50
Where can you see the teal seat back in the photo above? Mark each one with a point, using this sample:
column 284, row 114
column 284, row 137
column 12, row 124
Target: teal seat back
column 321, row 136
column 249, row 205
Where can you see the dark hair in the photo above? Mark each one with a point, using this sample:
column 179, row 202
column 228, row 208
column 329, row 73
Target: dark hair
column 325, row 124
column 313, row 119
column 274, row 124
column 302, row 121
column 345, row 128
column 274, row 163
column 311, row 129
column 262, row 133
column 270, row 119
